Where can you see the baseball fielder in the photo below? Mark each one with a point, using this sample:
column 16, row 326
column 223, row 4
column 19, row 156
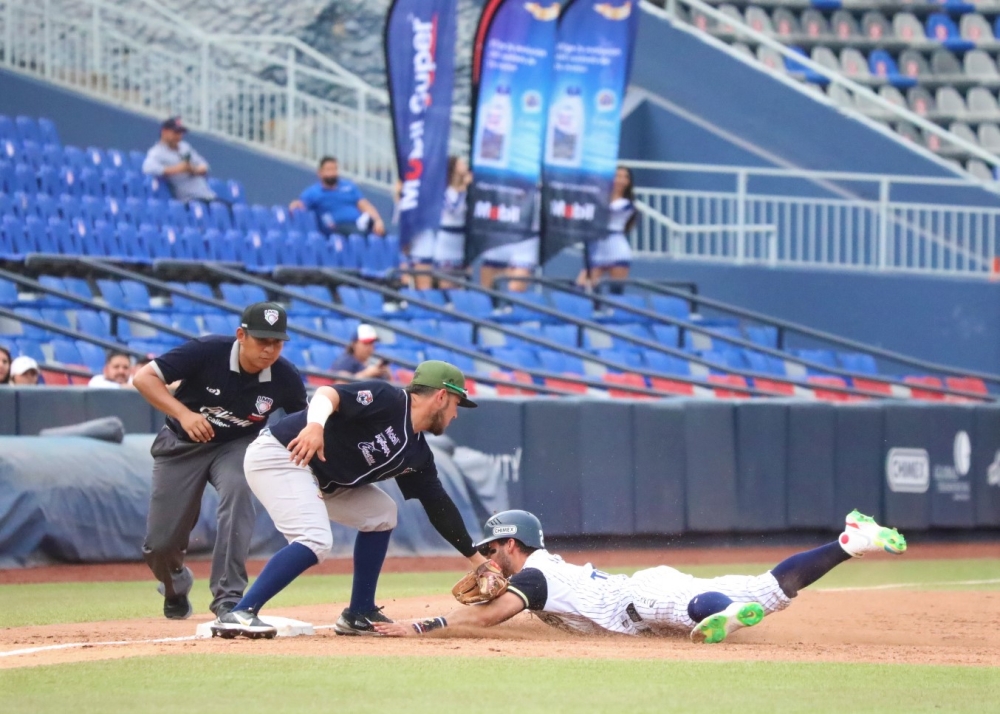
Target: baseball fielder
column 659, row 600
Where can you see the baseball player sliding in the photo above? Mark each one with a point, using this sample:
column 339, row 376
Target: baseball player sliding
column 659, row 600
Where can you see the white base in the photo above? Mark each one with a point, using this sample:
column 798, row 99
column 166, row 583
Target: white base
column 287, row 627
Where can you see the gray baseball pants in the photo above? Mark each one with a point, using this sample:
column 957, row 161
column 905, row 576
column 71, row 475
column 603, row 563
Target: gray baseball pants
column 180, row 472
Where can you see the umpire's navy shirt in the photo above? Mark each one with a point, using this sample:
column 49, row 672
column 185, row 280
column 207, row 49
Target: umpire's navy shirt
column 236, row 403
column 370, row 438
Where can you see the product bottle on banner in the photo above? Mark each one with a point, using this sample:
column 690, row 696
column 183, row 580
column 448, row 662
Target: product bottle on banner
column 564, row 141
column 493, row 143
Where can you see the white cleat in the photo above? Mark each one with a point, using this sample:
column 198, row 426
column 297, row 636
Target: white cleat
column 863, row 535
column 242, row 623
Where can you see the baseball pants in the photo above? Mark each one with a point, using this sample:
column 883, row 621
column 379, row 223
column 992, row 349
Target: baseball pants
column 180, row 472
column 661, row 595
column 300, row 511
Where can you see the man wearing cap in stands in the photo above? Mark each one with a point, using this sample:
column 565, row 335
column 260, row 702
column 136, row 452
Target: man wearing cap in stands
column 322, row 465
column 227, row 391
column 174, row 160
column 354, row 360
column 24, row 371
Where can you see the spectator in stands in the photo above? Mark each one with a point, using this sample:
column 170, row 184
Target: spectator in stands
column 4, row 365
column 24, row 371
column 176, row 162
column 449, row 245
column 117, row 367
column 354, row 361
column 338, row 203
column 611, row 256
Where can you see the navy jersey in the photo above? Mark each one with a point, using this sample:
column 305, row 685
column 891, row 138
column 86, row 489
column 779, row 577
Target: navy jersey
column 369, row 438
column 347, row 362
column 235, row 403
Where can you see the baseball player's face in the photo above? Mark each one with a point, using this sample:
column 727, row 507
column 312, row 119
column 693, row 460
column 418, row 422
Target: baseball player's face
column 446, row 413
column 497, row 552
column 257, row 354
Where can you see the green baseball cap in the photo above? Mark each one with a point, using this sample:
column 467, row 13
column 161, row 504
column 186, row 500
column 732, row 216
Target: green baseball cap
column 441, row 375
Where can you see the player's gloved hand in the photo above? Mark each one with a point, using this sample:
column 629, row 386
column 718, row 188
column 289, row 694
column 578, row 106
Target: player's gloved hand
column 483, row 584
column 196, row 426
column 307, row 444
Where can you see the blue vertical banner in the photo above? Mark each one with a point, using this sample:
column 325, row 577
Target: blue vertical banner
column 511, row 68
column 420, row 69
column 593, row 56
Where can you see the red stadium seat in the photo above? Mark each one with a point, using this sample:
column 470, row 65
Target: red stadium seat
column 565, row 385
column 831, row 396
column 54, row 378
column 670, row 386
column 733, row 380
column 321, row 381
column 516, row 376
column 872, row 385
column 967, row 384
column 926, row 382
column 770, row 385
column 630, row 379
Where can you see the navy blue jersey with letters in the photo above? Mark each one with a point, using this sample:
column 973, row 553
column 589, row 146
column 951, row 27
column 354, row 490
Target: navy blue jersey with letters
column 235, row 403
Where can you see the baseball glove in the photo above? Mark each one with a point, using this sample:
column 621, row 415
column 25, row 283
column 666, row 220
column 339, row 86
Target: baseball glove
column 483, row 584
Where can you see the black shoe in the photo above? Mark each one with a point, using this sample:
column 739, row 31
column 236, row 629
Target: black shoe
column 177, row 608
column 359, row 623
column 224, row 608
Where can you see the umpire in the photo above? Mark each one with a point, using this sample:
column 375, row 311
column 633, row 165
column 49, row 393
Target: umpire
column 228, row 390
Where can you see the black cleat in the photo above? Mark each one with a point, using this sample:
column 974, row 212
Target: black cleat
column 355, row 623
column 177, row 608
column 242, row 623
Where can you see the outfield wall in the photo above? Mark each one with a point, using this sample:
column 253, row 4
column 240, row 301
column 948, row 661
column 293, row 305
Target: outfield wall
column 585, row 467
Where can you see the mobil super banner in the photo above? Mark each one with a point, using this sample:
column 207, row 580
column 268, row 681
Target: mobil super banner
column 593, row 54
column 420, row 66
column 511, row 66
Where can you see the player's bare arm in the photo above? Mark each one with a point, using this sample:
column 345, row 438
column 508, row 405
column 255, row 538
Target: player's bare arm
column 309, row 442
column 488, row 615
column 150, row 385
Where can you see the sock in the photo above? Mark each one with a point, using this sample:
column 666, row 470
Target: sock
column 707, row 604
column 802, row 569
column 283, row 567
column 369, row 554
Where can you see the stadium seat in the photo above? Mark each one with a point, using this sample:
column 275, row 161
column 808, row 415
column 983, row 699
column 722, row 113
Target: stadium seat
column 925, row 381
column 629, row 379
column 732, row 380
column 472, row 303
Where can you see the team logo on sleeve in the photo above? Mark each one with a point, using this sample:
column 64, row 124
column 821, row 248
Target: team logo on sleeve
column 365, row 397
column 271, row 316
column 264, row 405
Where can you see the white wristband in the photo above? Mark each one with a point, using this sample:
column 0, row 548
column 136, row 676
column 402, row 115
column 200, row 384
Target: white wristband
column 320, row 409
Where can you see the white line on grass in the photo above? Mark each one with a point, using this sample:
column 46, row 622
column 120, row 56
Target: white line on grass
column 73, row 645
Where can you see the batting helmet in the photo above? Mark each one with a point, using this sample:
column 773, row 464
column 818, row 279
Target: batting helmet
column 520, row 525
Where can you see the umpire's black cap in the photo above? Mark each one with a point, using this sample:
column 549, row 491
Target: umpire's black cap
column 265, row 321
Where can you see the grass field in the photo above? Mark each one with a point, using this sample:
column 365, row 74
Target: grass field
column 264, row 683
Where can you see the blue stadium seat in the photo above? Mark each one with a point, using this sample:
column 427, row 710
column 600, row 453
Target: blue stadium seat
column 95, row 157
column 281, row 218
column 8, row 292
column 103, row 239
column 93, row 356
column 111, row 291
column 177, row 214
column 31, row 348
column 235, row 192
column 636, row 329
column 858, row 362
column 671, row 306
column 197, row 214
column 399, row 355
column 136, row 160
column 12, row 152
column 725, row 358
column 304, row 221
column 556, row 361
column 881, row 64
column 92, row 209
column 133, row 184
column 112, row 183
column 64, row 240
column 344, row 328
column 941, row 28
column 631, row 358
column 621, row 315
column 763, row 335
column 521, row 313
column 565, row 335
column 472, row 303
column 68, row 207
column 219, row 216
column 225, row 248
column 74, row 156
column 7, row 128
column 95, row 324
column 354, row 252
column 65, row 351
column 668, row 364
column 420, row 326
column 48, row 133
column 823, row 357
column 25, row 180
column 53, row 155
column 242, row 219
column 262, row 219
column 766, row 364
column 136, row 295
column 322, row 356
column 573, row 304
column 90, row 182
column 196, row 243
column 46, row 207
column 457, row 333
column 8, row 180
column 120, row 161
column 38, row 235
column 464, row 362
column 221, row 324
column 31, row 154
column 524, row 358
column 157, row 188
column 361, row 300
column 666, row 334
column 27, row 129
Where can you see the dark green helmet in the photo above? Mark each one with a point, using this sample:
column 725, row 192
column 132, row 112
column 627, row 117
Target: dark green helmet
column 520, row 525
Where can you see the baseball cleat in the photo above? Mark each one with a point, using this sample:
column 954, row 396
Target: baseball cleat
column 354, row 623
column 242, row 623
column 177, row 607
column 715, row 628
column 863, row 535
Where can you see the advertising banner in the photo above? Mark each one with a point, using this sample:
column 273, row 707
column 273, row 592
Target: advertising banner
column 593, row 55
column 420, row 68
column 511, row 69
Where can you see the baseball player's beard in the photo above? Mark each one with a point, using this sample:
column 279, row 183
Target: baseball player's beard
column 438, row 424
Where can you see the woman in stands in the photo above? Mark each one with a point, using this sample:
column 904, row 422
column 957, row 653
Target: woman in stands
column 610, row 257
column 449, row 247
column 4, row 365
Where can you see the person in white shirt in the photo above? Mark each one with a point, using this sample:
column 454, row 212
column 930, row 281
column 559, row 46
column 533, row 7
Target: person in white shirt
column 448, row 254
column 656, row 601
column 176, row 162
column 117, row 370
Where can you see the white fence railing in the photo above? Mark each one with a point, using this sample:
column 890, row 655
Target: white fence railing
column 274, row 93
column 771, row 228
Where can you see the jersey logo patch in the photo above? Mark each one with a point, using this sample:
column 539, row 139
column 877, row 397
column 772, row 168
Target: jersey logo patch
column 365, row 397
column 264, row 404
column 271, row 316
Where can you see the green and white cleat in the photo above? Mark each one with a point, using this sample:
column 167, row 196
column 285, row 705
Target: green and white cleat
column 863, row 535
column 715, row 628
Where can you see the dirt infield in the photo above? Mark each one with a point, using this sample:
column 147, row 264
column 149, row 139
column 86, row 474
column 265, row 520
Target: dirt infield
column 847, row 625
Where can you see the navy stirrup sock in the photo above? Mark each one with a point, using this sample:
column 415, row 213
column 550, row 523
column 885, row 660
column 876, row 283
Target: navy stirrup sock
column 802, row 569
column 707, row 604
column 369, row 554
column 283, row 567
